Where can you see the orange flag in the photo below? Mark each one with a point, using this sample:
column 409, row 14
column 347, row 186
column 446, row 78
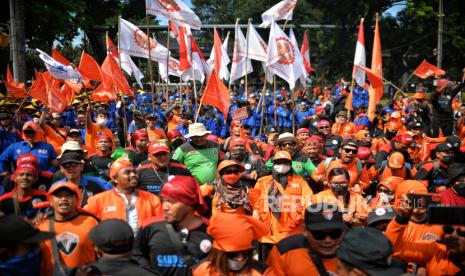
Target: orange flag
column 16, row 89
column 376, row 81
column 216, row 94
column 103, row 94
column 217, row 49
column 58, row 57
column 348, row 104
column 38, row 89
column 375, row 94
column 111, row 48
column 110, row 67
column 57, row 100
column 426, row 69
column 89, row 68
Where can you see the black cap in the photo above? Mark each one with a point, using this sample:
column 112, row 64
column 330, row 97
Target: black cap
column 454, row 171
column 380, row 214
column 369, row 250
column 349, row 142
column 444, row 147
column 71, row 157
column 323, row 216
column 454, row 141
column 113, row 236
column 14, row 230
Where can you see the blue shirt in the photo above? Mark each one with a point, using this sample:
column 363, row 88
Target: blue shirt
column 44, row 152
column 85, row 179
column 8, row 137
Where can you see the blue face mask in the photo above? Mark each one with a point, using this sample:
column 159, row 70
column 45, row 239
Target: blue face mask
column 28, row 264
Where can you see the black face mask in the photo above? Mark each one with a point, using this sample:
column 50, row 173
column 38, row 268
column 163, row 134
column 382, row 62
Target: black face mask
column 176, row 142
column 390, row 134
column 339, row 189
column 447, row 159
column 460, row 189
column 141, row 124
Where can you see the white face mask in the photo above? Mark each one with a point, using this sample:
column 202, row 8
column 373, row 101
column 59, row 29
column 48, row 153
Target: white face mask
column 35, row 120
column 236, row 265
column 282, row 168
column 102, row 121
column 383, row 197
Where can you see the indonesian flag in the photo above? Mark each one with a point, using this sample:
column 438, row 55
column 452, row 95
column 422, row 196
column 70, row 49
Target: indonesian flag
column 360, row 57
column 375, row 94
column 299, row 58
column 57, row 69
column 199, row 64
column 426, row 69
column 182, row 35
column 284, row 57
column 216, row 94
column 305, row 51
column 16, row 89
column 219, row 59
column 174, row 10
column 282, row 10
column 239, row 60
column 134, row 42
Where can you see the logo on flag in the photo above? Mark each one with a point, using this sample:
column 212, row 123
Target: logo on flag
column 141, row 39
column 288, row 7
column 285, row 51
column 169, row 5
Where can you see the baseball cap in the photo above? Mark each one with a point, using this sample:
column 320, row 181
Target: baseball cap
column 74, row 131
column 404, row 138
column 71, row 157
column 369, row 250
column 380, row 214
column 27, row 158
column 454, row 141
column 113, row 236
column 65, row 185
column 444, row 147
column 157, row 147
column 396, row 160
column 349, row 142
column 15, row 230
column 323, row 216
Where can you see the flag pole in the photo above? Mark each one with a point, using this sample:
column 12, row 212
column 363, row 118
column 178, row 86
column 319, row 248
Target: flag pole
column 167, row 59
column 263, row 104
column 150, row 62
column 247, row 56
column 274, row 98
column 293, row 109
column 408, row 79
column 352, row 83
column 123, row 104
column 180, row 90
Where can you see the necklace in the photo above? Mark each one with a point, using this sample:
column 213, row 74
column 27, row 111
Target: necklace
column 158, row 175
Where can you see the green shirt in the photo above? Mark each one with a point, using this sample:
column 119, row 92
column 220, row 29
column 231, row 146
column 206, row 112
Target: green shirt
column 303, row 169
column 201, row 161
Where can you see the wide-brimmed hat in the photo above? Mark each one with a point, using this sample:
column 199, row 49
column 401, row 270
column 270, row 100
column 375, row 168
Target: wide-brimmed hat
column 197, row 129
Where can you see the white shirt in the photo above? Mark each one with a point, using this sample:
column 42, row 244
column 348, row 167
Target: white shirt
column 131, row 212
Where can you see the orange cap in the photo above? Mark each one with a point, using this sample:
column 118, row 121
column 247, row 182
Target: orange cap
column 396, row 160
column 228, row 163
column 282, row 155
column 67, row 185
column 409, row 186
column 391, row 182
column 118, row 165
column 233, row 232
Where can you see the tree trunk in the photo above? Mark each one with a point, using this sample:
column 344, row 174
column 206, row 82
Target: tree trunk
column 17, row 32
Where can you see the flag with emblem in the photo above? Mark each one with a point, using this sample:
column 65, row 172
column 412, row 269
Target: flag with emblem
column 174, row 10
column 426, row 69
column 281, row 11
column 241, row 65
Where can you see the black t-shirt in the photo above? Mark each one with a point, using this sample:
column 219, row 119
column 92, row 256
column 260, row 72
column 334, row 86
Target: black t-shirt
column 151, row 178
column 154, row 248
column 101, row 163
column 26, row 205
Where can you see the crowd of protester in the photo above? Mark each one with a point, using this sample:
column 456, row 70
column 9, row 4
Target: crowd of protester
column 301, row 186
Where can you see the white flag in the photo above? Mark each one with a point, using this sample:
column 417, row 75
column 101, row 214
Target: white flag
column 298, row 57
column 223, row 72
column 239, row 60
column 131, row 69
column 174, row 10
column 57, row 69
column 283, row 56
column 173, row 68
column 360, row 57
column 257, row 46
column 282, row 10
column 134, row 42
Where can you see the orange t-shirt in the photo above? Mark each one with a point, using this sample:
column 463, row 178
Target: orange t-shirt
column 357, row 206
column 155, row 134
column 54, row 138
column 174, row 122
column 93, row 130
column 205, row 268
column 74, row 246
column 355, row 177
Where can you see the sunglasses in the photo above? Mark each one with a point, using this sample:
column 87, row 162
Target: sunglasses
column 288, row 144
column 231, row 171
column 354, row 151
column 323, row 127
column 449, row 230
column 321, row 235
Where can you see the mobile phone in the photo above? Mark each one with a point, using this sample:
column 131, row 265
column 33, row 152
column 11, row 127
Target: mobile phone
column 423, row 200
column 446, row 215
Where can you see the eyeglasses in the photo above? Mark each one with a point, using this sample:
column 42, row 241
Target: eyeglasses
column 231, row 171
column 288, row 144
column 321, row 235
column 447, row 229
column 354, row 151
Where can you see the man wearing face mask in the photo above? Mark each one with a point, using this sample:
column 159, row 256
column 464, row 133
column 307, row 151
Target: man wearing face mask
column 341, row 123
column 253, row 166
column 280, row 199
column 354, row 206
column 385, row 192
column 19, row 253
column 384, row 139
column 94, row 129
column 454, row 195
column 314, row 251
column 434, row 173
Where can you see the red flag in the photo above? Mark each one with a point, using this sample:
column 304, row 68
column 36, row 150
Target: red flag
column 38, row 89
column 305, row 50
column 183, row 51
column 57, row 100
column 102, row 94
column 375, row 94
column 111, row 48
column 110, row 67
column 58, row 57
column 376, row 80
column 216, row 94
column 16, row 89
column 89, row 68
column 426, row 69
column 75, row 85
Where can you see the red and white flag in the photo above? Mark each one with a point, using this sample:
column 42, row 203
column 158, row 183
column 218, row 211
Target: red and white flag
column 280, row 11
column 174, row 10
column 219, row 59
column 426, row 69
column 305, row 51
column 199, row 63
column 376, row 81
column 283, row 56
column 134, row 42
column 241, row 65
column 360, row 57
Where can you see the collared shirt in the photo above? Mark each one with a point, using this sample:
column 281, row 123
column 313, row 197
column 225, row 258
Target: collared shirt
column 131, row 212
column 44, row 152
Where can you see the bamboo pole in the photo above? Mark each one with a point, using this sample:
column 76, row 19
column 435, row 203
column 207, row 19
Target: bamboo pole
column 150, row 61
column 123, row 104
